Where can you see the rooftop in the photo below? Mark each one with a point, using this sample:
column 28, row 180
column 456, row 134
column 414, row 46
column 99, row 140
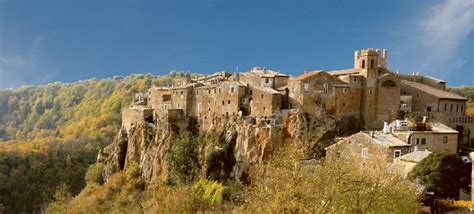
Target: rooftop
column 266, row 89
column 387, row 140
column 415, row 157
column 312, row 74
column 345, row 72
column 442, row 94
column 266, row 72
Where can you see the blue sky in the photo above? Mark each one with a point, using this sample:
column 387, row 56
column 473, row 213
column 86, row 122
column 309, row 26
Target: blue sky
column 44, row 41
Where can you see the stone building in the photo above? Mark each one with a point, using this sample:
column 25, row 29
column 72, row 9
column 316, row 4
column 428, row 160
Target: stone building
column 368, row 91
column 374, row 146
column 263, row 77
column 159, row 98
column 396, row 140
column 320, row 94
column 265, row 101
column 433, row 102
column 377, row 86
column 429, row 136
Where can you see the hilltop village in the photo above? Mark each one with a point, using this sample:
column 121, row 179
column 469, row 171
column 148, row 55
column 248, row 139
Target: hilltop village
column 415, row 114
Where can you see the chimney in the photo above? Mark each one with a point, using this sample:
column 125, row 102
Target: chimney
column 386, row 128
column 398, row 124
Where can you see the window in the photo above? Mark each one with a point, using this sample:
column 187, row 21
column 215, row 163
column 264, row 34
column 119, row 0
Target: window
column 445, row 139
column 326, row 88
column 355, row 79
column 228, row 102
column 232, row 90
column 182, row 92
column 397, row 153
column 266, row 80
column 457, row 108
column 345, row 90
column 223, row 102
column 306, row 87
column 365, row 153
column 428, row 108
column 199, row 106
column 343, row 104
column 423, row 141
column 261, row 96
column 209, row 91
column 363, row 63
column 389, row 84
column 462, row 107
column 372, row 63
column 417, row 141
column 219, row 90
column 445, row 107
column 451, row 107
column 370, row 91
column 417, row 95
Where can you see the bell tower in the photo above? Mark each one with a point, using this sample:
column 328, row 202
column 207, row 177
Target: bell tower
column 368, row 62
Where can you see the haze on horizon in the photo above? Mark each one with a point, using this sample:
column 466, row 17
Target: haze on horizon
column 48, row 40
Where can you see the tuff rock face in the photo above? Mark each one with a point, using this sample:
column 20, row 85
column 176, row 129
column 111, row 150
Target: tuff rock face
column 251, row 140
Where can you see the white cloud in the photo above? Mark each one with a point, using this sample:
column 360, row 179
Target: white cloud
column 443, row 29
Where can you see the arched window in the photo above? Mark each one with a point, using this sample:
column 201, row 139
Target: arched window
column 372, row 63
column 389, row 84
column 363, row 63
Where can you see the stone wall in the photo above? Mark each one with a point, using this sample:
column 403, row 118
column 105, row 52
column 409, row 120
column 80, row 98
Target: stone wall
column 265, row 101
column 434, row 141
column 135, row 115
column 388, row 102
column 351, row 148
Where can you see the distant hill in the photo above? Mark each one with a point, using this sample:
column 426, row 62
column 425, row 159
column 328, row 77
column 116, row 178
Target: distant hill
column 50, row 134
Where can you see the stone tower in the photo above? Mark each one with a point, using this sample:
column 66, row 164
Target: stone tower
column 369, row 62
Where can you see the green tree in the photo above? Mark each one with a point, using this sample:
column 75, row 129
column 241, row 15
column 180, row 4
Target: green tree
column 443, row 173
column 183, row 159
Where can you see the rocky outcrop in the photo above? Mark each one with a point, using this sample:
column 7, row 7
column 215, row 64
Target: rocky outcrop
column 241, row 142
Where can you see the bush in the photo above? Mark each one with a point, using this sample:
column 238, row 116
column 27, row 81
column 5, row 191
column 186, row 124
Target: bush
column 94, row 174
column 210, row 191
column 183, row 159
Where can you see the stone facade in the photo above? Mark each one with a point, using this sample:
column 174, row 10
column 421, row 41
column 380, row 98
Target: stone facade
column 374, row 147
column 368, row 91
column 395, row 141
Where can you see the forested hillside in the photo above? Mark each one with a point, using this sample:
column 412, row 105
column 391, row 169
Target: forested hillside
column 49, row 135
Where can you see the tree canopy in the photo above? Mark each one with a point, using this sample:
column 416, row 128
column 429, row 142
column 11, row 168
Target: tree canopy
column 443, row 173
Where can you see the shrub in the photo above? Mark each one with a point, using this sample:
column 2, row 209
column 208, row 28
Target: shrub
column 94, row 173
column 183, row 159
column 210, row 191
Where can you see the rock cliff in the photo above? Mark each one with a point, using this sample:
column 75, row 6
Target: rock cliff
column 242, row 141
